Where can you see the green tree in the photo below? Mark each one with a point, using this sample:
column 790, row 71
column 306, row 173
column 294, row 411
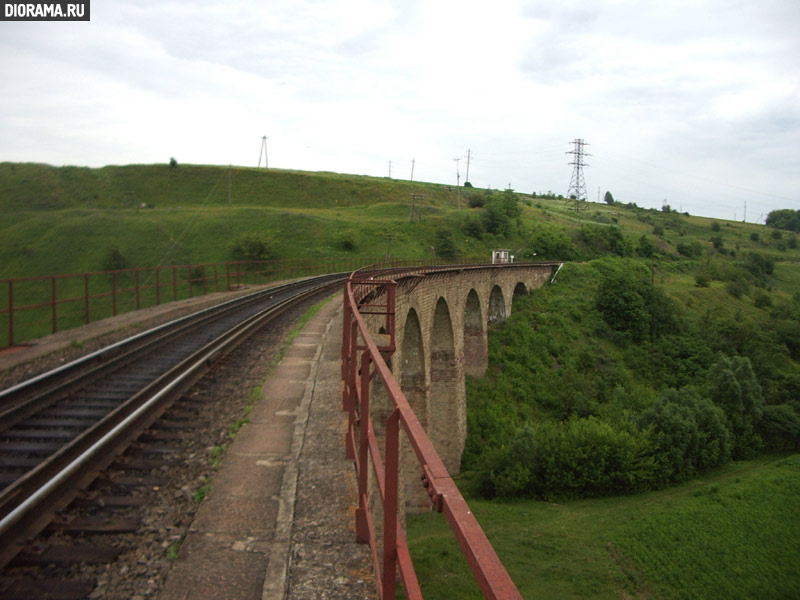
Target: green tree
column 630, row 303
column 780, row 427
column 785, row 218
column 733, row 387
column 495, row 219
column 673, row 432
column 609, row 199
column 445, row 245
column 645, row 247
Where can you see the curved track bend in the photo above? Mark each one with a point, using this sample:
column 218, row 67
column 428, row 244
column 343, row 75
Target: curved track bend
column 59, row 429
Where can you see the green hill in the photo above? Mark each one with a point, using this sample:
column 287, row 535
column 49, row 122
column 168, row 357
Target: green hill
column 67, row 219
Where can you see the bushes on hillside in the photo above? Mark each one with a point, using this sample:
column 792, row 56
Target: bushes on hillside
column 688, row 434
column 630, row 303
column 568, row 413
column 576, row 458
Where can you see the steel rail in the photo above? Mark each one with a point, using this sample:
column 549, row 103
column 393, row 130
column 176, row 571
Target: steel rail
column 27, row 505
column 20, row 400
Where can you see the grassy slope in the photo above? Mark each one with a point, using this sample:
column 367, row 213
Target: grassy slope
column 63, row 220
column 66, row 219
column 730, row 534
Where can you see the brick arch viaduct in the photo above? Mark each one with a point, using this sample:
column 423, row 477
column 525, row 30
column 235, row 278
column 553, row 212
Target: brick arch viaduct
column 441, row 321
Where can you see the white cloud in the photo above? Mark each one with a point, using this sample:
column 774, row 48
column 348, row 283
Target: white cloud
column 695, row 102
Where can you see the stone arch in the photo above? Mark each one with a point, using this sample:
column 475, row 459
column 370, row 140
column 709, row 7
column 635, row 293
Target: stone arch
column 475, row 342
column 444, row 401
column 413, row 383
column 497, row 306
column 412, row 369
column 519, row 291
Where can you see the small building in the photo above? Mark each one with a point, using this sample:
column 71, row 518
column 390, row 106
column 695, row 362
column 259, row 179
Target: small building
column 501, row 257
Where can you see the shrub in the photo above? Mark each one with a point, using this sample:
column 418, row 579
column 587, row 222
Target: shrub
column 115, row 261
column 445, row 245
column 346, row 240
column 577, row 458
column 251, row 247
column 690, row 250
column 702, row 279
column 473, row 228
column 762, row 299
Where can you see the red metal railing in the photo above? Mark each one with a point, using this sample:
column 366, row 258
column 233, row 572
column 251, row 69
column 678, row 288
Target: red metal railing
column 31, row 307
column 362, row 361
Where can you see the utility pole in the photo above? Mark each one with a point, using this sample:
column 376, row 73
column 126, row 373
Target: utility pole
column 414, row 198
column 389, row 237
column 390, row 169
column 466, row 178
column 577, row 185
column 458, row 184
column 263, row 152
column 412, row 170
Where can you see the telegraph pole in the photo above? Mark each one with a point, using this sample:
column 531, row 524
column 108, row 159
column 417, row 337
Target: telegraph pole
column 412, row 169
column 414, row 198
column 390, row 169
column 466, row 177
column 577, row 185
column 458, row 184
column 263, row 152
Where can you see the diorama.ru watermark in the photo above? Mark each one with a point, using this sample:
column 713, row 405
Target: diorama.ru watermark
column 44, row 11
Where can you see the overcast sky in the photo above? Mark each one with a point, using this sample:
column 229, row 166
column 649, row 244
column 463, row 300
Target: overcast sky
column 695, row 102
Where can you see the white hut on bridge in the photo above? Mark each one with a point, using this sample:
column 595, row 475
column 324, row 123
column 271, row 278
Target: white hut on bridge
column 501, row 257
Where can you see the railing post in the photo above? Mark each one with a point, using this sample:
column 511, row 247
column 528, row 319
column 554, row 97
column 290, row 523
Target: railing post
column 216, row 278
column 138, row 301
column 205, row 288
column 228, row 276
column 389, row 578
column 10, row 312
column 362, row 528
column 114, row 294
column 86, row 298
column 158, row 287
column 53, row 302
column 189, row 278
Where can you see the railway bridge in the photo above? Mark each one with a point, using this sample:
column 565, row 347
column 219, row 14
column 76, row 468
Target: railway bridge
column 410, row 338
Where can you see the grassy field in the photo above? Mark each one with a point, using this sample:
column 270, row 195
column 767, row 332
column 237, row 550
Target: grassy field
column 67, row 219
column 731, row 534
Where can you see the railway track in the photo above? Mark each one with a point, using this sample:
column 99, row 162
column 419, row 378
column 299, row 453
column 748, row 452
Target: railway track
column 61, row 430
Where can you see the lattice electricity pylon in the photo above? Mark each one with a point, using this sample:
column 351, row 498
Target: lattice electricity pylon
column 577, row 186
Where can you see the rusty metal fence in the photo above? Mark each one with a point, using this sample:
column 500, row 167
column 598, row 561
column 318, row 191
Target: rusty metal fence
column 31, row 307
column 364, row 366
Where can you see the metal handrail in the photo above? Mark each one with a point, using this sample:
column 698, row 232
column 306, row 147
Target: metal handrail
column 361, row 363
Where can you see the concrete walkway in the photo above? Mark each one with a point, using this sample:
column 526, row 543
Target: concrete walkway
column 278, row 520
